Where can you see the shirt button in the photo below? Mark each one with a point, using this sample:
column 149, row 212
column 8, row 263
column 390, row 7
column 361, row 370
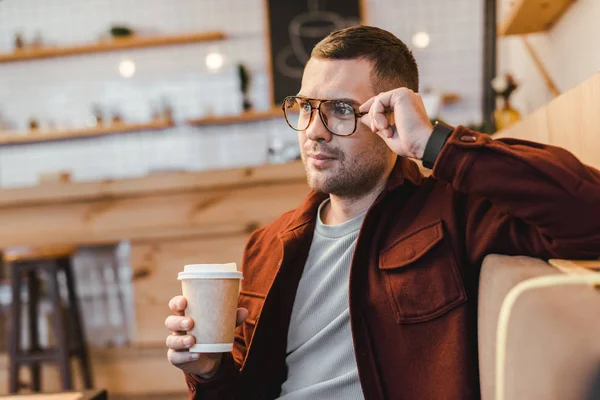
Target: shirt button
column 410, row 252
column 468, row 138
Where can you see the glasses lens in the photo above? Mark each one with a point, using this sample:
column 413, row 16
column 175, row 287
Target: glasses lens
column 297, row 112
column 339, row 117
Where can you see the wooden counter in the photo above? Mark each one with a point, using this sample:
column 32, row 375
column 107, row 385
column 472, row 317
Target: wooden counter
column 153, row 207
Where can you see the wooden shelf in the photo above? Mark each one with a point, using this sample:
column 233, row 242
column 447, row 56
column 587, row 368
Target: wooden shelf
column 243, row 117
column 132, row 42
column 8, row 137
column 530, row 16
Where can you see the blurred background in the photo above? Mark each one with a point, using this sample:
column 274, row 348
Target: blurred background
column 189, row 80
column 149, row 133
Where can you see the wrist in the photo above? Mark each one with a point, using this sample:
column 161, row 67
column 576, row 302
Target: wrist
column 422, row 144
column 211, row 372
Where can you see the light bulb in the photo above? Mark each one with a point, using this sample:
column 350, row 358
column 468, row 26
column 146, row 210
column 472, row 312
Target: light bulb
column 127, row 68
column 420, row 40
column 214, row 61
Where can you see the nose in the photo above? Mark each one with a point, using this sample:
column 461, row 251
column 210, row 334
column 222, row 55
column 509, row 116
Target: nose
column 316, row 130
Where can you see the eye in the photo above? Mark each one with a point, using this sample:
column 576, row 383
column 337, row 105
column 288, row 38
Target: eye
column 304, row 105
column 343, row 109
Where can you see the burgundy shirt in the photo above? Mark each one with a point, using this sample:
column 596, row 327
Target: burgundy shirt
column 415, row 272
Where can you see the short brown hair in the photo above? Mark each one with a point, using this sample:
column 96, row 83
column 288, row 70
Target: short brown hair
column 393, row 63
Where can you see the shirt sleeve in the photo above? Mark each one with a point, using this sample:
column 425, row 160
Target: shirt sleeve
column 522, row 197
column 221, row 386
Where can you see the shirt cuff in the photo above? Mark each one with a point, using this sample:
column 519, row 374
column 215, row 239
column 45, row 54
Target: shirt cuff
column 457, row 155
column 226, row 373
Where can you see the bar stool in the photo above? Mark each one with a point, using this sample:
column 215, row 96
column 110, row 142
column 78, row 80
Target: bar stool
column 68, row 329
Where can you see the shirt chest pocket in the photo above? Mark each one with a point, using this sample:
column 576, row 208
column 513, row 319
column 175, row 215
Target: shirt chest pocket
column 254, row 303
column 421, row 275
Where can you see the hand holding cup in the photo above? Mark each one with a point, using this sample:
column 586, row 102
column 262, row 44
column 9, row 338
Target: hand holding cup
column 179, row 342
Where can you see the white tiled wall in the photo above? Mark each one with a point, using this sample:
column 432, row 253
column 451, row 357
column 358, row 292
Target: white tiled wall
column 453, row 61
column 61, row 91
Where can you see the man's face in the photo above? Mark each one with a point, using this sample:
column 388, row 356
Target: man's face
column 348, row 166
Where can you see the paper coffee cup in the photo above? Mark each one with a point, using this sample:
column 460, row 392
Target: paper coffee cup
column 211, row 291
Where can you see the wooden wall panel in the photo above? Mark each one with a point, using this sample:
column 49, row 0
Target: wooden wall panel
column 571, row 121
column 589, row 104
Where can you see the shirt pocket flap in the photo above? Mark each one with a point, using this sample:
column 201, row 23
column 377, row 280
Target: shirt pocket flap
column 253, row 302
column 412, row 246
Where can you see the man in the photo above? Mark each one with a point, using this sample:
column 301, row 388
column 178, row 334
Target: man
column 369, row 288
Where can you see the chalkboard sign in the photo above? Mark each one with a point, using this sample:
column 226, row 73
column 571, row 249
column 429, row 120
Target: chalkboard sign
column 295, row 27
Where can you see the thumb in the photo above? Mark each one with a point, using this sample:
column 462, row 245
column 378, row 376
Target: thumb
column 242, row 315
column 366, row 120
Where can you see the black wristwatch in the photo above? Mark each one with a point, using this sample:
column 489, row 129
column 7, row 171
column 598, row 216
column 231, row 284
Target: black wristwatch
column 441, row 133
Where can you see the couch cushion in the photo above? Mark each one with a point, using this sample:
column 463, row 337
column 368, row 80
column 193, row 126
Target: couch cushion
column 553, row 345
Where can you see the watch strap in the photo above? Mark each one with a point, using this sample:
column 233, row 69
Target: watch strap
column 439, row 136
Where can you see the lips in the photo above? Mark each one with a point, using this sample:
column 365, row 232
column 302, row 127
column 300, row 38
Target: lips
column 321, row 156
column 321, row 160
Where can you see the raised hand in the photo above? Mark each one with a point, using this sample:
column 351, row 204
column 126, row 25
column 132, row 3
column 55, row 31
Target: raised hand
column 409, row 130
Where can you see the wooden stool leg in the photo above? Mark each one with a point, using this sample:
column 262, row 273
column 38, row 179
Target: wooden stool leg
column 60, row 330
column 77, row 324
column 15, row 329
column 34, row 343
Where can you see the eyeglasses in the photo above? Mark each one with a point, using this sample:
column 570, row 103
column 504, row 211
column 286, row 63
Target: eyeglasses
column 338, row 116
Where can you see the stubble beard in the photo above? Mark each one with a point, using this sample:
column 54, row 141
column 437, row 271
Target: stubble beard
column 348, row 178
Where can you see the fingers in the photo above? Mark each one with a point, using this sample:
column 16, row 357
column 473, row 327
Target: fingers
column 366, row 119
column 387, row 132
column 377, row 113
column 175, row 342
column 242, row 315
column 384, row 133
column 178, row 358
column 179, row 324
column 366, row 105
column 379, row 117
column 177, row 305
column 369, row 106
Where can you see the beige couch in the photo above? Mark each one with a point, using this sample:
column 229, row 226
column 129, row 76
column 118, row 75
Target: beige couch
column 552, row 341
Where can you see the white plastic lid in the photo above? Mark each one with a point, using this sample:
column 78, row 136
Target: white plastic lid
column 210, row 271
